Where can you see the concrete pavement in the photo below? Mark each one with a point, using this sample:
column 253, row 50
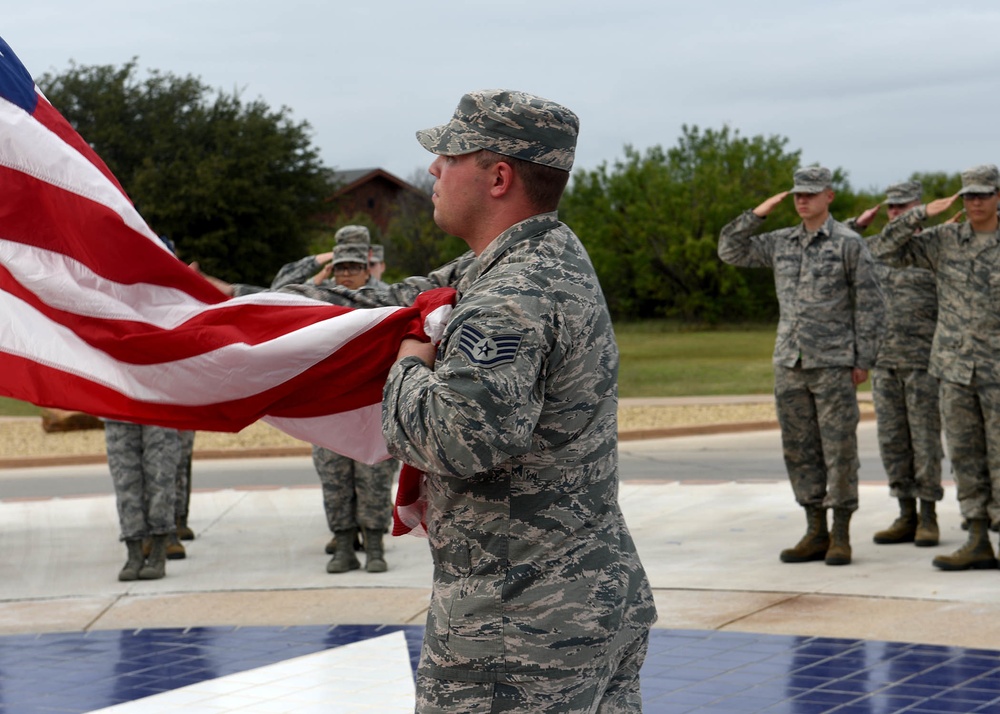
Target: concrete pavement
column 710, row 548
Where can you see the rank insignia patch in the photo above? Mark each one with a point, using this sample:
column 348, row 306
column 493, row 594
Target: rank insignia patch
column 487, row 351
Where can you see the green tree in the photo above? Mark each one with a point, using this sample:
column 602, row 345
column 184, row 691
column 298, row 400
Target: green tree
column 414, row 244
column 651, row 224
column 234, row 184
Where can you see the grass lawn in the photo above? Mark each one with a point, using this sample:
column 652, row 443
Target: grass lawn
column 658, row 359
column 12, row 407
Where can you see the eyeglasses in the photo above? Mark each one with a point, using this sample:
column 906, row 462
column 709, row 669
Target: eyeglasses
column 348, row 268
column 977, row 196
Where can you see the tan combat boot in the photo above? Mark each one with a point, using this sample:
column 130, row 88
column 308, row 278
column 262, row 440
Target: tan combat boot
column 331, row 547
column 184, row 531
column 175, row 549
column 344, row 559
column 374, row 556
column 156, row 564
column 904, row 528
column 133, row 565
column 814, row 543
column 927, row 533
column 840, row 538
column 976, row 554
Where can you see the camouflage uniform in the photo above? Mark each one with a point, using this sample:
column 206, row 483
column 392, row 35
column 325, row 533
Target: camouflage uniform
column 539, row 601
column 965, row 346
column 904, row 392
column 831, row 316
column 183, row 480
column 536, row 575
column 355, row 495
column 143, row 463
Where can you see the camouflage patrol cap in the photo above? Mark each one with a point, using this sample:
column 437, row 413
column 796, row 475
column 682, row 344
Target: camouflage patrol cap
column 378, row 253
column 899, row 194
column 812, row 179
column 980, row 179
column 511, row 123
column 351, row 253
column 352, row 234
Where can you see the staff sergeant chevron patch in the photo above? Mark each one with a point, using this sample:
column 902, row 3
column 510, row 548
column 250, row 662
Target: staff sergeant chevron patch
column 487, row 351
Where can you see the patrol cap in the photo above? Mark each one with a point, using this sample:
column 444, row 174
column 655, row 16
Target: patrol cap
column 812, row 179
column 351, row 253
column 378, row 253
column 352, row 234
column 508, row 122
column 899, row 194
column 980, row 179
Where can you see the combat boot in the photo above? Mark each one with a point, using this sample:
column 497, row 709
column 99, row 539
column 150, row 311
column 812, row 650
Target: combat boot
column 814, row 543
column 927, row 533
column 133, row 565
column 183, row 531
column 977, row 553
column 175, row 549
column 156, row 564
column 331, row 547
column 840, row 538
column 374, row 556
column 344, row 559
column 904, row 528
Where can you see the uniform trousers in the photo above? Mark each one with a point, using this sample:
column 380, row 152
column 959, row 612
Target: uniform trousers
column 909, row 431
column 355, row 495
column 609, row 687
column 818, row 414
column 971, row 416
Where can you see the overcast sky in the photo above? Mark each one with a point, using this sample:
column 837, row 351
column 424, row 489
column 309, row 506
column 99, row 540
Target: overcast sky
column 878, row 88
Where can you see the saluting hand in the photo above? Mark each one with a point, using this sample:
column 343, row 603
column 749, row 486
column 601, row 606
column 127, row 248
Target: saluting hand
column 957, row 218
column 767, row 206
column 941, row 205
column 868, row 216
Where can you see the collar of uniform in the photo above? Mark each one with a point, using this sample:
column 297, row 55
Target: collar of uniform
column 806, row 237
column 515, row 234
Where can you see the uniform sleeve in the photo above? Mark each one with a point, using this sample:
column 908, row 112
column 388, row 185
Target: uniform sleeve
column 869, row 305
column 900, row 243
column 738, row 246
column 293, row 273
column 479, row 405
column 402, row 294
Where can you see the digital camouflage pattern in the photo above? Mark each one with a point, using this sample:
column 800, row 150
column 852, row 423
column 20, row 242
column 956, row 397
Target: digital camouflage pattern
column 183, row 480
column 403, row 293
column 831, row 319
column 352, row 234
column 972, row 443
column 811, row 179
column 818, row 415
column 909, row 431
column 535, row 572
column 832, row 312
column 966, row 269
column 980, row 179
column 904, row 192
column 143, row 463
column 608, row 689
column 905, row 393
column 966, row 340
column 351, row 253
column 507, row 122
column 355, row 495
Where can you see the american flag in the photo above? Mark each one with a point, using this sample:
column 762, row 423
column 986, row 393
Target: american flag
column 96, row 315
